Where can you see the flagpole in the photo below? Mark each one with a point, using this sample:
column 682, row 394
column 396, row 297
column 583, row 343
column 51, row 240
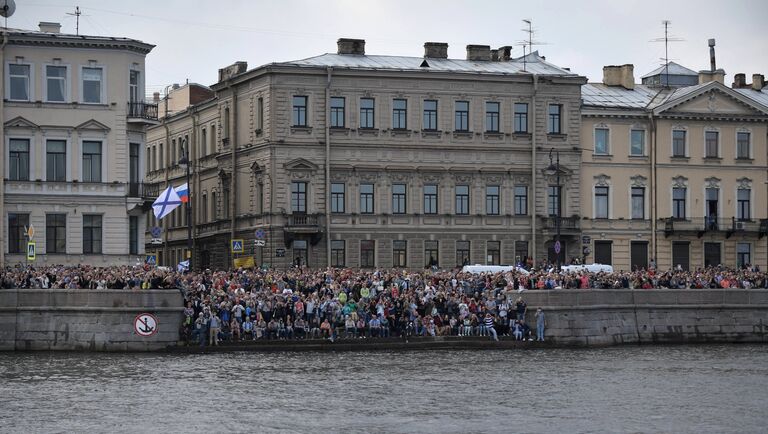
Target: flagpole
column 185, row 160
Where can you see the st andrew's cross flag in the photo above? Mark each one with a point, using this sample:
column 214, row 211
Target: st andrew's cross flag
column 166, row 202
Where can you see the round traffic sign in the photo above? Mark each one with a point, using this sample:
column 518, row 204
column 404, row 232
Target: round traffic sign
column 145, row 324
column 557, row 247
column 260, row 233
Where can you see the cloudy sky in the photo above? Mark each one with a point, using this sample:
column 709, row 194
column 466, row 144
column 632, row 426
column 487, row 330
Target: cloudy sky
column 194, row 37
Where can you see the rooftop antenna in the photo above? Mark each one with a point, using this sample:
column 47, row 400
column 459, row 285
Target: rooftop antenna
column 77, row 19
column 530, row 42
column 666, row 39
column 7, row 8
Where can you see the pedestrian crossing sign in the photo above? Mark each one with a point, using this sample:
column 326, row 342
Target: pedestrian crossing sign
column 30, row 251
column 151, row 260
column 237, row 246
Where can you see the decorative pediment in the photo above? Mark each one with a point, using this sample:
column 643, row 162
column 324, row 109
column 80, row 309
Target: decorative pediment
column 602, row 180
column 712, row 182
column 300, row 164
column 679, row 182
column 255, row 168
column 367, row 176
column 20, row 122
column 92, row 125
column 223, row 174
column 712, row 98
column 399, row 176
column 744, row 183
column 638, row 181
column 462, row 178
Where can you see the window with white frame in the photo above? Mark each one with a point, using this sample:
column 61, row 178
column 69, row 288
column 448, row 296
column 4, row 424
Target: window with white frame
column 601, row 141
column 56, row 83
column 55, row 160
column 337, row 112
column 462, row 199
column 337, row 197
column 366, row 199
column 18, row 159
column 19, row 82
column 638, row 202
column 601, row 202
column 134, row 86
column 367, row 107
column 712, row 144
column 521, row 200
column 492, row 199
column 492, row 117
column 637, row 143
column 430, row 199
column 91, row 161
column 91, row 85
column 678, row 143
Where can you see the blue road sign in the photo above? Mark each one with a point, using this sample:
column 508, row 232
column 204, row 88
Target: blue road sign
column 151, row 260
column 237, row 246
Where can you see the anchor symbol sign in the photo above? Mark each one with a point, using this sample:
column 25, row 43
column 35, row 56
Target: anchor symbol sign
column 145, row 324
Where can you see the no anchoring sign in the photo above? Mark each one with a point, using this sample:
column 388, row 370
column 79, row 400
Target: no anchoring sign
column 145, row 324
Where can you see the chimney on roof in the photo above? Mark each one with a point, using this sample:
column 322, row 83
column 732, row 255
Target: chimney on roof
column 619, row 75
column 351, row 46
column 436, row 50
column 739, row 81
column 758, row 81
column 478, row 52
column 49, row 27
column 505, row 53
column 706, row 76
column 712, row 63
column 156, row 97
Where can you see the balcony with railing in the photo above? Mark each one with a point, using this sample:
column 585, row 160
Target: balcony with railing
column 567, row 224
column 303, row 223
column 142, row 112
column 702, row 225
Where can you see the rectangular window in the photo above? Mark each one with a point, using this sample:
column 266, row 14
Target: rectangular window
column 430, row 115
column 367, row 253
column 367, row 112
column 337, row 254
column 601, row 202
column 299, row 114
column 492, row 199
column 492, row 117
column 17, row 229
column 431, row 257
column 601, row 141
column 638, row 202
column 430, row 199
column 742, row 145
column 133, row 164
column 18, row 156
column 678, row 203
column 91, row 161
column 55, row 233
column 18, row 76
column 213, row 139
column 55, row 160
column 56, row 83
column 215, row 206
column 337, row 112
column 462, row 116
column 603, row 254
column 203, row 142
column 521, row 117
column 91, row 234
column 399, row 253
column 462, row 199
column 521, row 252
column 743, row 254
column 398, row 199
column 337, row 197
column 225, row 200
column 399, row 114
column 133, row 235
column 554, row 119
column 366, row 199
column 711, row 140
column 743, row 204
column 678, row 143
column 299, row 197
column 637, row 143
column 521, row 200
column 91, row 85
column 681, row 254
column 553, row 200
column 462, row 253
column 204, row 209
column 260, row 113
column 134, row 89
column 493, row 253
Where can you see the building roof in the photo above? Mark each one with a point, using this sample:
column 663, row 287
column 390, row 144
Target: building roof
column 38, row 38
column 760, row 96
column 531, row 63
column 674, row 69
column 601, row 95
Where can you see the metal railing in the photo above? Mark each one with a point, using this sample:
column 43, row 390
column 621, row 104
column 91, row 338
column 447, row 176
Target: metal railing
column 303, row 220
column 566, row 223
column 702, row 225
column 142, row 110
column 145, row 191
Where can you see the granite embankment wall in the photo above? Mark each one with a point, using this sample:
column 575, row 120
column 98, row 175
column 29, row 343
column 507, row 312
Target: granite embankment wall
column 33, row 319
column 86, row 320
column 610, row 317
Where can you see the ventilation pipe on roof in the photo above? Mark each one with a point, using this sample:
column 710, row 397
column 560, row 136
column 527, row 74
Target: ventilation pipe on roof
column 351, row 46
column 622, row 75
column 713, row 74
column 436, row 50
column 739, row 81
column 505, row 53
column 478, row 52
column 758, row 82
column 712, row 63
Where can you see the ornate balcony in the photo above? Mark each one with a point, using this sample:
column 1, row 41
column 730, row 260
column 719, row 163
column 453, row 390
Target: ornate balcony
column 142, row 112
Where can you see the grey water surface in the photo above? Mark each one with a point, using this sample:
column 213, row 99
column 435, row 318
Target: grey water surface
column 630, row 389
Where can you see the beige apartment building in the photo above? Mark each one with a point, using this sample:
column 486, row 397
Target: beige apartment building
column 674, row 173
column 359, row 160
column 73, row 130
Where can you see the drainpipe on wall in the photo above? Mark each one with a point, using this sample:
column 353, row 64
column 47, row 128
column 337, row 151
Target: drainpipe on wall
column 2, row 147
column 533, row 168
column 193, row 193
column 328, row 167
column 233, row 177
column 654, row 196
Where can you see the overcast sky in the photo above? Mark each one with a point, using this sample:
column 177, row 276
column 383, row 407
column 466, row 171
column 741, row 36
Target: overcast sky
column 194, row 37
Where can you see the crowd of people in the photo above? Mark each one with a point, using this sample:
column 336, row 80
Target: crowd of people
column 301, row 303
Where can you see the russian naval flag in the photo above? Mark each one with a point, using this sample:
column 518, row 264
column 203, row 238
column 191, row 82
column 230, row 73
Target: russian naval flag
column 183, row 192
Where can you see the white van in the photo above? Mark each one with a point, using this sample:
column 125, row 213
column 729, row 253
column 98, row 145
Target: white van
column 592, row 268
column 477, row 269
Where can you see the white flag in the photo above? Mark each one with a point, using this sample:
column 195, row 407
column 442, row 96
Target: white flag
column 166, row 202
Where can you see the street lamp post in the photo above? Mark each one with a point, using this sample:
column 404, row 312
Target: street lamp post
column 556, row 167
column 184, row 162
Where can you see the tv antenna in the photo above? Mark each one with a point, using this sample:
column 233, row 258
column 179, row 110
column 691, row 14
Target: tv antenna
column 666, row 40
column 76, row 14
column 529, row 42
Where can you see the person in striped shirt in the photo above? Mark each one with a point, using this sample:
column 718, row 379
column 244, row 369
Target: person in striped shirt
column 489, row 326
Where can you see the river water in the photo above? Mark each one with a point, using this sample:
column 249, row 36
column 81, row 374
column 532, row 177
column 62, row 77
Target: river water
column 680, row 389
